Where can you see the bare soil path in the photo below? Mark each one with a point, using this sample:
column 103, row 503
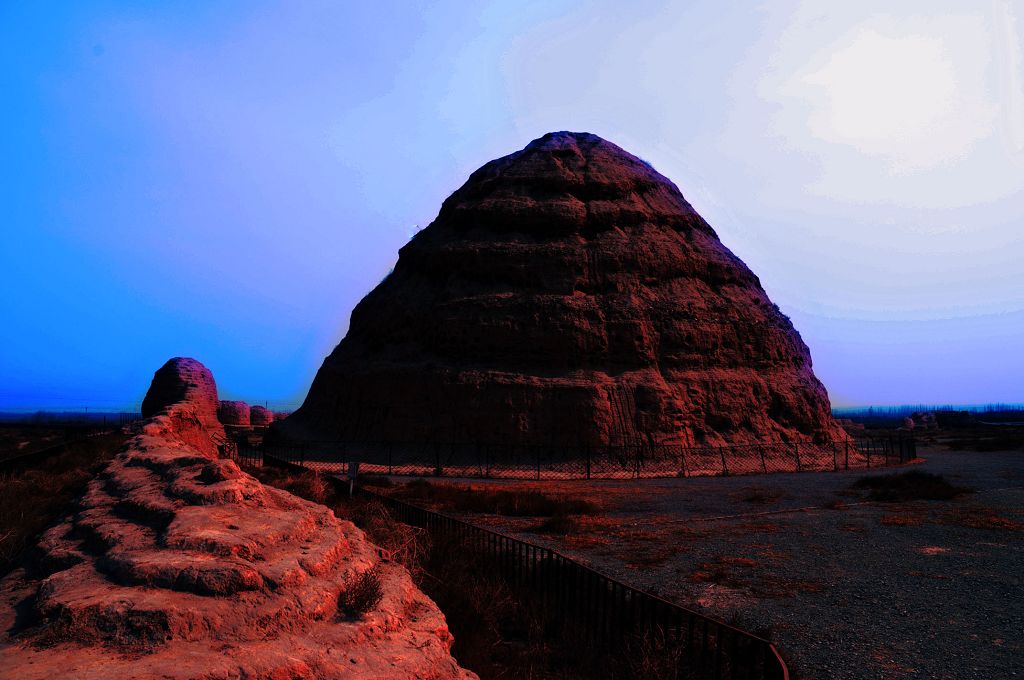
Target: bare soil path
column 847, row 588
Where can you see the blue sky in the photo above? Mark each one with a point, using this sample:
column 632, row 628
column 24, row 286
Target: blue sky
column 226, row 180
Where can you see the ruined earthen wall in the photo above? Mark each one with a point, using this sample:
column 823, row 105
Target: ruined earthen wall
column 176, row 564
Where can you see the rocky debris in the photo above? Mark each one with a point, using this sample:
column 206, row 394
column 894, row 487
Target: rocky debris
column 176, row 564
column 567, row 294
column 236, row 413
column 260, row 416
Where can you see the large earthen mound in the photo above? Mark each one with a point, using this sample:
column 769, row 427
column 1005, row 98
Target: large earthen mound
column 176, row 564
column 567, row 293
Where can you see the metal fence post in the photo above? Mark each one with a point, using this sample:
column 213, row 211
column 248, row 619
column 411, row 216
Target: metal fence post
column 846, row 441
column 796, row 452
column 764, row 465
column 725, row 468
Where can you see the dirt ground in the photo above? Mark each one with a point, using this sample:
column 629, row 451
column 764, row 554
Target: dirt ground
column 846, row 587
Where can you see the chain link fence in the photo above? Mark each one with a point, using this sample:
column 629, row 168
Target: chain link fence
column 629, row 461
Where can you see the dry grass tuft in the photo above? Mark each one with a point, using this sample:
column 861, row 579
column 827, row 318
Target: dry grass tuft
column 509, row 502
column 31, row 499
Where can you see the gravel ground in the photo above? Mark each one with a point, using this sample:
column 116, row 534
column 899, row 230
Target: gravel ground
column 845, row 588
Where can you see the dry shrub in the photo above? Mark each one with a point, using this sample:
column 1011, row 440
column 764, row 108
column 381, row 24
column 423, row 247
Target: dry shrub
column 308, row 484
column 361, row 596
column 31, row 499
column 909, row 486
column 558, row 524
column 654, row 655
column 402, row 543
column 513, row 503
column 311, row 486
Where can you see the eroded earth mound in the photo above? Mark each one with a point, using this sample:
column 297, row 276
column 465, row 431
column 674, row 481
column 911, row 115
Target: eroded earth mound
column 260, row 416
column 234, row 413
column 567, row 294
column 176, row 564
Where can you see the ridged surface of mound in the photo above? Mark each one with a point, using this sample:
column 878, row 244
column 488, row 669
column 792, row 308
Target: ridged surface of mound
column 176, row 564
column 567, row 293
column 184, row 390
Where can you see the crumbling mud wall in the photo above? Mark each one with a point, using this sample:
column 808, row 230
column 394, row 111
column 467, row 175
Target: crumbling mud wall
column 177, row 564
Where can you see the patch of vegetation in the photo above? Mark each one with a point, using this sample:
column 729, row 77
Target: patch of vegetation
column 361, row 596
column 32, row 498
column 558, row 524
column 309, row 485
column 511, row 503
column 909, row 486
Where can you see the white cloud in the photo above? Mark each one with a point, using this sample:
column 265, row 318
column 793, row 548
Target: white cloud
column 910, row 98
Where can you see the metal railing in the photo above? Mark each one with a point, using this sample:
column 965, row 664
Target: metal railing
column 604, row 613
column 625, row 461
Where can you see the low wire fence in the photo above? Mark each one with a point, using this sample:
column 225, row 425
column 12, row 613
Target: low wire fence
column 632, row 461
column 603, row 613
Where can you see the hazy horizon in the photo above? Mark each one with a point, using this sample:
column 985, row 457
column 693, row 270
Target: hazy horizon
column 226, row 182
